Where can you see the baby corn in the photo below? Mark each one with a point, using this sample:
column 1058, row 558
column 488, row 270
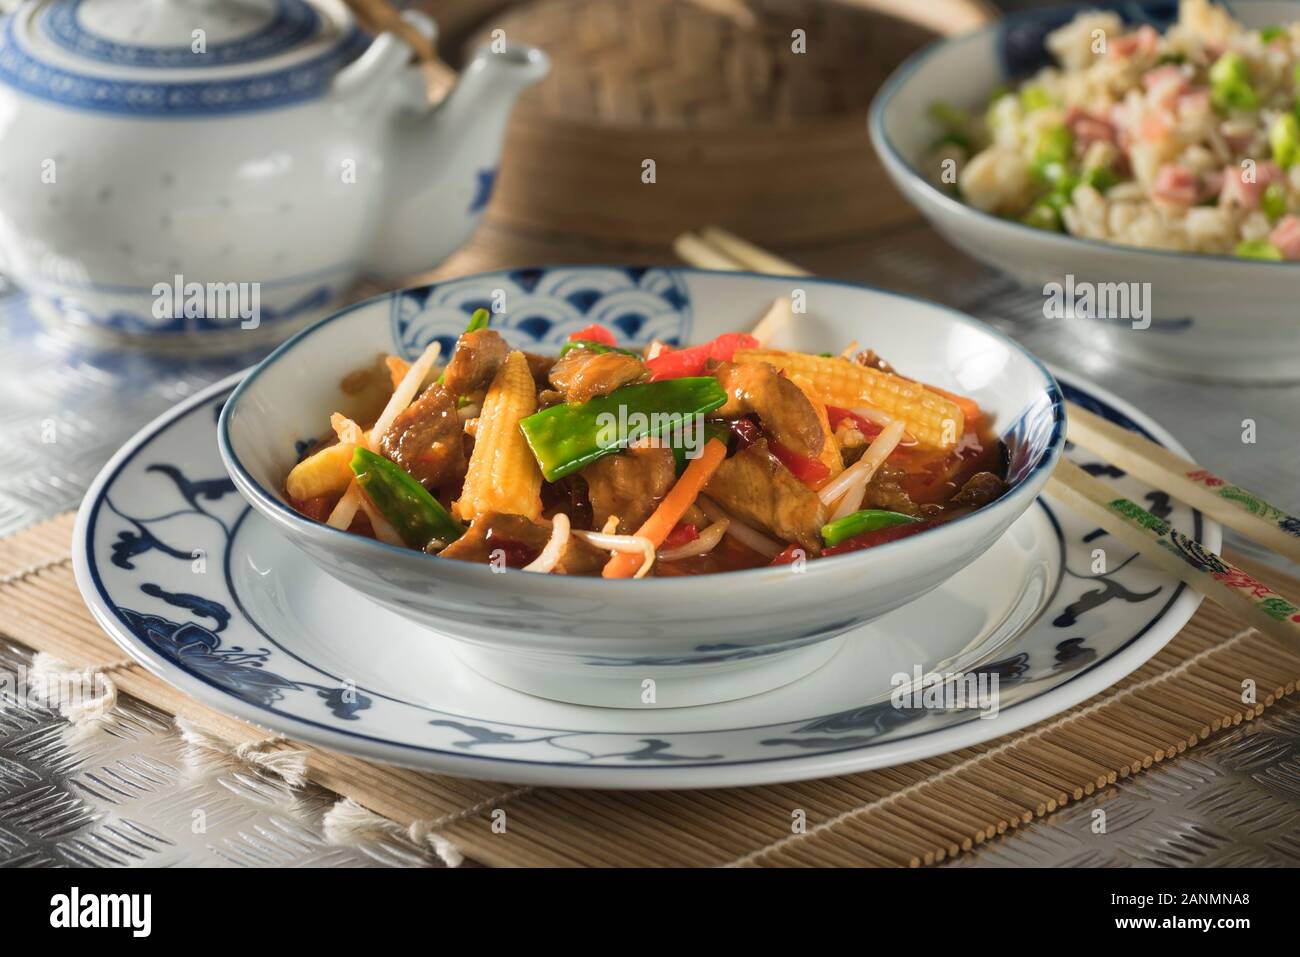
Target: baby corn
column 929, row 417
column 503, row 475
column 325, row 473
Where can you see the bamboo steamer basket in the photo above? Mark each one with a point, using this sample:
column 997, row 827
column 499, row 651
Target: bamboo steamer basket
column 742, row 130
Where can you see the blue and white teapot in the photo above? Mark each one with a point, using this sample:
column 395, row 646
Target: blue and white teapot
column 210, row 171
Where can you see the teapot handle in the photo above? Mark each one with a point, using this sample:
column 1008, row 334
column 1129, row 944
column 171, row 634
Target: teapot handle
column 415, row 31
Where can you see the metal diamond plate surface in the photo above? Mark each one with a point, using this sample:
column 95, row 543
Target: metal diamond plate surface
column 133, row 793
column 130, row 795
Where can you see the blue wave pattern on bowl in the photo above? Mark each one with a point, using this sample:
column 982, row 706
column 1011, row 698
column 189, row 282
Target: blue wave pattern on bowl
column 1022, row 38
column 543, row 307
column 291, row 22
column 148, row 557
column 259, row 91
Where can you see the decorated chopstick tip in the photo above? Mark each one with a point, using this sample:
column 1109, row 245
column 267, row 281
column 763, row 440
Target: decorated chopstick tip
column 1263, row 598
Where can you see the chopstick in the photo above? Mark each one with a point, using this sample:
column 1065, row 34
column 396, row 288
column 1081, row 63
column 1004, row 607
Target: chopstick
column 1215, row 496
column 1230, row 586
column 1214, row 577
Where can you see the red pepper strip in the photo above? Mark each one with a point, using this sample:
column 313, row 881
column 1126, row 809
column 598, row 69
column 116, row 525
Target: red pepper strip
column 805, row 469
column 836, row 415
column 790, row 555
column 682, row 534
column 724, row 347
column 692, row 360
column 879, row 537
column 594, row 333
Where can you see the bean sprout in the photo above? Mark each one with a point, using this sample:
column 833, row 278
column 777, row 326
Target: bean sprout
column 705, row 543
column 405, row 392
column 622, row 543
column 747, row 536
column 850, row 486
column 550, row 556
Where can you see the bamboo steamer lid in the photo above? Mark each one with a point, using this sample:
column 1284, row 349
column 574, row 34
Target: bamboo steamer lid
column 744, row 125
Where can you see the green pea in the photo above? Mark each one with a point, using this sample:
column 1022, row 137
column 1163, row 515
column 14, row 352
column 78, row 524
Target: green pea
column 1229, row 68
column 1257, row 249
column 1284, row 138
column 1043, row 215
column 1035, row 98
column 1101, row 178
column 1230, row 87
column 1058, row 176
column 1273, row 202
column 1054, row 145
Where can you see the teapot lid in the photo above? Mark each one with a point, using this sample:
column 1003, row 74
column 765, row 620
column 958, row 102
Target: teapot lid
column 176, row 57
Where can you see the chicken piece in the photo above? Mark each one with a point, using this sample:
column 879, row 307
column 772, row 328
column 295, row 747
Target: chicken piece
column 754, row 486
column 980, row 489
column 786, row 413
column 477, row 357
column 582, row 374
column 516, row 540
column 629, row 484
column 428, row 440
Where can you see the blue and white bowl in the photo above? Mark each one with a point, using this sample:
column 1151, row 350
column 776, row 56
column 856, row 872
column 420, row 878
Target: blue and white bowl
column 1213, row 317
column 699, row 639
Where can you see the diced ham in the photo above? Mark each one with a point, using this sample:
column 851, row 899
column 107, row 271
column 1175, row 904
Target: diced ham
column 1175, row 184
column 1144, row 40
column 1153, row 129
column 1194, row 101
column 1239, row 191
column 1286, row 236
column 1162, row 75
column 1165, row 84
column 1088, row 129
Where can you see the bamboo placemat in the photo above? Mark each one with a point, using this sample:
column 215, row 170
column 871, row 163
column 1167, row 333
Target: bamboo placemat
column 913, row 814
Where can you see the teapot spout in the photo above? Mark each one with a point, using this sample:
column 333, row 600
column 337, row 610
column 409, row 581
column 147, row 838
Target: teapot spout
column 443, row 162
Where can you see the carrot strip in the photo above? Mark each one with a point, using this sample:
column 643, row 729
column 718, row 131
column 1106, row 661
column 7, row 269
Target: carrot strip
column 970, row 409
column 397, row 369
column 670, row 511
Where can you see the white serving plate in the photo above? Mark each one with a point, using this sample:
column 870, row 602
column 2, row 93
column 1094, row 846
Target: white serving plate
column 208, row 595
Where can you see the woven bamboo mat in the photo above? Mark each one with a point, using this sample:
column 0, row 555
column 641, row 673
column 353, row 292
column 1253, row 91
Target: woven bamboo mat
column 917, row 813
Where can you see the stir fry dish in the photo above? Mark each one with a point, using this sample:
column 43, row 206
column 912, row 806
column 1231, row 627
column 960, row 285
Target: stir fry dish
column 617, row 462
column 1187, row 140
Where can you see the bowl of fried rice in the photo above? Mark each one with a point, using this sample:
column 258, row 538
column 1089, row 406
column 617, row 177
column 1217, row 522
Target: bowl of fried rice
column 1140, row 165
